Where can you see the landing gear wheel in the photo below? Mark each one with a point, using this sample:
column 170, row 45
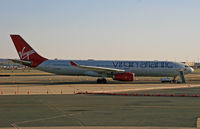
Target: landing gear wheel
column 104, row 81
column 101, row 81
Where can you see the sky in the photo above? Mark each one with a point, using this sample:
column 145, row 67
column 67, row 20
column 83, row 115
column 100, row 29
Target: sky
column 103, row 29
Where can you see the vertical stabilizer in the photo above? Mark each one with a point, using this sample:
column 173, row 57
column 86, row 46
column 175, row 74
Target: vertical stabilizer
column 26, row 53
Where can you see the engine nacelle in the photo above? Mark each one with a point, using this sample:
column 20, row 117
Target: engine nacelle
column 124, row 76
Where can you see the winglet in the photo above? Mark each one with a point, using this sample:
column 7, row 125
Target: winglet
column 73, row 63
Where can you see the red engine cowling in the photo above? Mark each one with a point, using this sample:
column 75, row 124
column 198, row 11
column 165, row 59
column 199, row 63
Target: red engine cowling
column 124, row 76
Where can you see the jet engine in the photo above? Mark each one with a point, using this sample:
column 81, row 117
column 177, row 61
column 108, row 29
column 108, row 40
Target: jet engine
column 124, row 76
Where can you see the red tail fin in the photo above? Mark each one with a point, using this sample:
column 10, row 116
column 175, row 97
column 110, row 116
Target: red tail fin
column 26, row 52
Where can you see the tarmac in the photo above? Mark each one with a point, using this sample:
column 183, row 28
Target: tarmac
column 53, row 84
column 97, row 127
column 39, row 84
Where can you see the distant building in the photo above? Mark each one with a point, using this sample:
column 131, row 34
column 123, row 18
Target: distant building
column 7, row 64
column 192, row 64
column 197, row 65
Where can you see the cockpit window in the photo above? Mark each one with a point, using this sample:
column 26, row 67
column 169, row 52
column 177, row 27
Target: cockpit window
column 186, row 66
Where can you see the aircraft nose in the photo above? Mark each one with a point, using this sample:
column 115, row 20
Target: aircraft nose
column 191, row 69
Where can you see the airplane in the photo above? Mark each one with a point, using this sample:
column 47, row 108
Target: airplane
column 102, row 69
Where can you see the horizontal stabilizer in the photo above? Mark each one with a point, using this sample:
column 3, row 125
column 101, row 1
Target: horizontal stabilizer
column 27, row 63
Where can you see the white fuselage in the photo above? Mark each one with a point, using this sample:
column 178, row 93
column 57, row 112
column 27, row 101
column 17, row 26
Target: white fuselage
column 139, row 68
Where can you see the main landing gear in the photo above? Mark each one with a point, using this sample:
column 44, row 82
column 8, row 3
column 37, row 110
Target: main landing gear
column 182, row 78
column 101, row 81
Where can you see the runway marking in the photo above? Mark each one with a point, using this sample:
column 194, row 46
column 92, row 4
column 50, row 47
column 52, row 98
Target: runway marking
column 20, row 90
column 126, row 94
column 152, row 88
column 28, row 121
column 15, row 126
column 41, row 119
column 56, row 108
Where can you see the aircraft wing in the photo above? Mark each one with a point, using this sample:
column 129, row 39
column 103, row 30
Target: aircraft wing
column 98, row 69
column 23, row 62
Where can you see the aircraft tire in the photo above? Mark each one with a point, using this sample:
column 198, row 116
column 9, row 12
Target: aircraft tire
column 104, row 81
column 99, row 81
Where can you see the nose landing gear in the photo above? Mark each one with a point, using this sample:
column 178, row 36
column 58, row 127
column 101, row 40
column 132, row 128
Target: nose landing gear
column 182, row 77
